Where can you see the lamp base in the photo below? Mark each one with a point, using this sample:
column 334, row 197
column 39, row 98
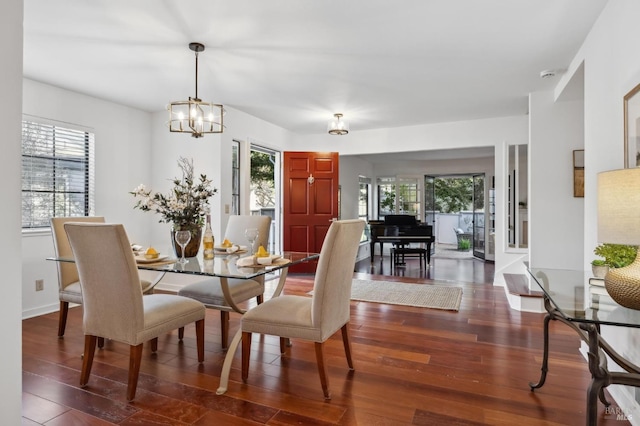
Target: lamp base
column 623, row 284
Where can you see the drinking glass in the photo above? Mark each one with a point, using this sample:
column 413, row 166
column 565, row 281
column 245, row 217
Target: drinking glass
column 252, row 236
column 183, row 238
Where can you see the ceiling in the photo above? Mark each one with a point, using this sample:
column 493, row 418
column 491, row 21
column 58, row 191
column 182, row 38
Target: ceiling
column 296, row 62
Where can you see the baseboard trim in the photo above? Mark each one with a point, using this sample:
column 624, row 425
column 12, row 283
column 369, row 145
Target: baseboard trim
column 42, row 310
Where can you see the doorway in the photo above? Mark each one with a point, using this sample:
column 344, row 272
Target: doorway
column 265, row 190
column 478, row 216
column 455, row 206
column 310, row 200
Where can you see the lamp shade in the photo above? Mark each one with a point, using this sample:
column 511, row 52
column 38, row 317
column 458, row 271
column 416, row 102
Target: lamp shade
column 619, row 206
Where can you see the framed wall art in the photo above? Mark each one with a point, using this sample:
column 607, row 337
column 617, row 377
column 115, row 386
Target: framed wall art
column 578, row 173
column 632, row 128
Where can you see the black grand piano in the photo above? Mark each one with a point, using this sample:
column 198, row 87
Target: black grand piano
column 403, row 226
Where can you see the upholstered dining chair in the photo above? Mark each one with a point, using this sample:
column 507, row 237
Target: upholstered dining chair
column 68, row 284
column 318, row 317
column 113, row 304
column 210, row 292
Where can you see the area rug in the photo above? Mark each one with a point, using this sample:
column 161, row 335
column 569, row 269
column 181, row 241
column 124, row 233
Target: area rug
column 421, row 295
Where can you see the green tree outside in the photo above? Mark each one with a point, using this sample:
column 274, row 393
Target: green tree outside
column 262, row 180
column 453, row 194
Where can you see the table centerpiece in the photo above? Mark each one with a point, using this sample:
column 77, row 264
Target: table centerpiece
column 185, row 206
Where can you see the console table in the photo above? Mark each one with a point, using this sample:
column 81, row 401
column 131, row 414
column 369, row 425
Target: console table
column 567, row 300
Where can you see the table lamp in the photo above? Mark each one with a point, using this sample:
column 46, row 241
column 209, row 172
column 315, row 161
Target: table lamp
column 619, row 223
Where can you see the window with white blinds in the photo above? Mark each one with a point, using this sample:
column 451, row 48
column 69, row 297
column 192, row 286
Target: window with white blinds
column 57, row 173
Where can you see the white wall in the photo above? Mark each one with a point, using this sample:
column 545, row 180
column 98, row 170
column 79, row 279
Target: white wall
column 10, row 309
column 611, row 69
column 351, row 168
column 132, row 147
column 556, row 224
column 610, row 72
column 123, row 158
column 461, row 134
column 212, row 152
column 212, row 156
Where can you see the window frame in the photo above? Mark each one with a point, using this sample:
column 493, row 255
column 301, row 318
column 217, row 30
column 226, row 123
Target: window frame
column 235, row 177
column 58, row 137
column 364, row 204
column 382, row 183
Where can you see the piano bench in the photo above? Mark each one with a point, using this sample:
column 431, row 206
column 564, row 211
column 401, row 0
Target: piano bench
column 399, row 253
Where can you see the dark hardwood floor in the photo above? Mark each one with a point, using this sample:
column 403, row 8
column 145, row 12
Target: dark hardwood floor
column 413, row 366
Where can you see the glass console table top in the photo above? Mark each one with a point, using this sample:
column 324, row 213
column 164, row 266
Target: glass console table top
column 577, row 301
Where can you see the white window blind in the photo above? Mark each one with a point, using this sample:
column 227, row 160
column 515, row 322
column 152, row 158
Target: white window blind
column 57, row 173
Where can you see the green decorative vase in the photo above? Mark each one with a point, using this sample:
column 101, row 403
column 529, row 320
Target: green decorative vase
column 193, row 246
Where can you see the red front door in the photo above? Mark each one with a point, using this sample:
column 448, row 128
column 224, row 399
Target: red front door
column 310, row 194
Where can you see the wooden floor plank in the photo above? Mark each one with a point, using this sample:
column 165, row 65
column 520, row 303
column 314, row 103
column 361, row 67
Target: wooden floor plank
column 413, row 366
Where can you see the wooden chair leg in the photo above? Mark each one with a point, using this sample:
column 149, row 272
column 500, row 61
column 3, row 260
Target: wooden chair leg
column 200, row 339
column 87, row 359
column 224, row 328
column 135, row 357
column 154, row 344
column 246, row 354
column 181, row 333
column 100, row 342
column 283, row 344
column 260, row 299
column 62, row 321
column 347, row 345
column 322, row 369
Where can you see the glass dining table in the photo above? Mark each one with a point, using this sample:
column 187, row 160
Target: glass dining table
column 224, row 266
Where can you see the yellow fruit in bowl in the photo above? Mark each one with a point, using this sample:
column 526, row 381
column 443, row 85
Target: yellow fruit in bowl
column 262, row 252
column 226, row 243
column 151, row 253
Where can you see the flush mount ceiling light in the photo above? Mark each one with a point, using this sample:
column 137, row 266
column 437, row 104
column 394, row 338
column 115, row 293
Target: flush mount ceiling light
column 194, row 116
column 337, row 126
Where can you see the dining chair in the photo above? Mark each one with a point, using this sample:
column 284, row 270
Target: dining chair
column 68, row 284
column 318, row 317
column 210, row 291
column 113, row 303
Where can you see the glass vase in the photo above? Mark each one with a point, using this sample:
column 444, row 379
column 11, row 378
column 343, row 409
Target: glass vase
column 193, row 247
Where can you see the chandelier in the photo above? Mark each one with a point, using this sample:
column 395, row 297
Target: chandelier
column 195, row 116
column 337, row 126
